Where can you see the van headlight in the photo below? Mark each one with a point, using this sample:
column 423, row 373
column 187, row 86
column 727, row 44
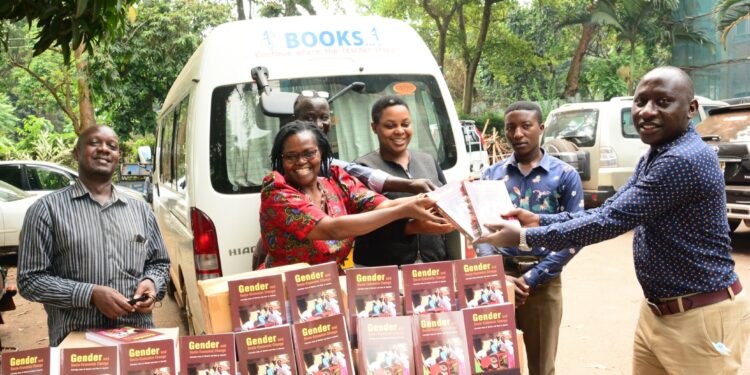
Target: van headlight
column 607, row 157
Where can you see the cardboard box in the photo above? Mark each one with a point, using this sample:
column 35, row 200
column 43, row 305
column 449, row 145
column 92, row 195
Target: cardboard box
column 214, row 296
column 78, row 339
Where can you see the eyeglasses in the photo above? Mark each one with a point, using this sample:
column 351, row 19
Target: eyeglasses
column 294, row 157
column 315, row 94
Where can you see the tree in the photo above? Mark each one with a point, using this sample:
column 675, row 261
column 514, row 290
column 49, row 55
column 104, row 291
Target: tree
column 442, row 14
column 471, row 54
column 132, row 75
column 730, row 14
column 68, row 24
column 42, row 80
column 644, row 21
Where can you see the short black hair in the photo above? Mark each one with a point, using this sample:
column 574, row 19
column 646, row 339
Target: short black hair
column 383, row 103
column 524, row 105
column 296, row 127
column 302, row 99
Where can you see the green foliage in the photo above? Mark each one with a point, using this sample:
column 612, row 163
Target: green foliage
column 496, row 120
column 131, row 76
column 67, row 24
column 8, row 122
column 38, row 140
column 129, row 148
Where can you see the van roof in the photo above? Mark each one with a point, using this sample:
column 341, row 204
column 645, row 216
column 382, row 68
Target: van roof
column 306, row 46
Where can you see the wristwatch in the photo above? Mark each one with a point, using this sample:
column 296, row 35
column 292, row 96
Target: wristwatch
column 522, row 245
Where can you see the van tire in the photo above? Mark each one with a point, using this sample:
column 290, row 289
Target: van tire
column 559, row 145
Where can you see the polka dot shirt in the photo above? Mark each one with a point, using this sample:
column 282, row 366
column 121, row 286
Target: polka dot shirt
column 675, row 200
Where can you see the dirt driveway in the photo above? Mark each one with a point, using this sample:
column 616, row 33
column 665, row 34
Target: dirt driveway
column 601, row 297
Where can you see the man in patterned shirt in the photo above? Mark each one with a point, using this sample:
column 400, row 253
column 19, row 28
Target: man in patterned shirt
column 542, row 184
column 87, row 249
column 693, row 320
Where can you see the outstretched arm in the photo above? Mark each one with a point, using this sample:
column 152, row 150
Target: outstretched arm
column 337, row 228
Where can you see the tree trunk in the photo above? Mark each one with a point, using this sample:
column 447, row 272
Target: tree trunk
column 472, row 62
column 85, row 106
column 442, row 21
column 240, row 10
column 631, row 87
column 574, row 72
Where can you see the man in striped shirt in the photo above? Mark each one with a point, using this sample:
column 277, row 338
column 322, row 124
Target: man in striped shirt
column 86, row 250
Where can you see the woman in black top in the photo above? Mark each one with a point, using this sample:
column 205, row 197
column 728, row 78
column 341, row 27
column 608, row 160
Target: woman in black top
column 402, row 241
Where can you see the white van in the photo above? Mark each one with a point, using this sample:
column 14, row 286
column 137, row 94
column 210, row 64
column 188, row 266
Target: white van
column 605, row 133
column 214, row 140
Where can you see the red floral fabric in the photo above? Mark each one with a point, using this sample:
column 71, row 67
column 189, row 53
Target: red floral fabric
column 287, row 216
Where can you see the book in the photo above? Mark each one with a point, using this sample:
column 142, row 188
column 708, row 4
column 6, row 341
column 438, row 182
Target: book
column 428, row 287
column 491, row 334
column 28, row 362
column 147, row 358
column 266, row 351
column 488, row 201
column 440, row 344
column 469, row 205
column 257, row 303
column 480, row 281
column 371, row 292
column 385, row 346
column 322, row 347
column 122, row 335
column 314, row 292
column 207, row 354
column 100, row 360
column 451, row 201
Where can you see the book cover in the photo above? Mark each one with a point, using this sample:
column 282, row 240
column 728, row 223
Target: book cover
column 257, row 303
column 266, row 351
column 207, row 354
column 385, row 346
column 480, row 281
column 27, row 362
column 488, row 199
column 314, row 292
column 147, row 358
column 440, row 344
column 428, row 287
column 89, row 361
column 322, row 347
column 491, row 334
column 371, row 292
column 122, row 335
column 453, row 205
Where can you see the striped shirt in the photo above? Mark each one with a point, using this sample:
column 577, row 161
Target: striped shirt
column 70, row 243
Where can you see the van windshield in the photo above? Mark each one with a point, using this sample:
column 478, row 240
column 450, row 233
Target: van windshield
column 578, row 127
column 242, row 136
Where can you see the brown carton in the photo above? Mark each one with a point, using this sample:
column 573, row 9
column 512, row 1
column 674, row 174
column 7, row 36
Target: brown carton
column 214, row 296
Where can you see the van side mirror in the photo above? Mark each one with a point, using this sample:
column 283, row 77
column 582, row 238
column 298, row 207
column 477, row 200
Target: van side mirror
column 276, row 104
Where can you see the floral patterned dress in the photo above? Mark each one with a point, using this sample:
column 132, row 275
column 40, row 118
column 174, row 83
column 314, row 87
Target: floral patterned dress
column 287, row 216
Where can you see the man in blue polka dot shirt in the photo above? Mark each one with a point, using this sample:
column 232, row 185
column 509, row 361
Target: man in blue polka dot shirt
column 693, row 320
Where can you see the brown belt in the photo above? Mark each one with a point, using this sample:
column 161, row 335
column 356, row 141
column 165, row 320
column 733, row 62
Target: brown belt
column 694, row 301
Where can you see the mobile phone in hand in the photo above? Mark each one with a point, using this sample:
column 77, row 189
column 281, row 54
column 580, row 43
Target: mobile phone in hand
column 142, row 298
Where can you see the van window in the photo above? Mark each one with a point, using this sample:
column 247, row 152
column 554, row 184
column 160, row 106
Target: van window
column 242, row 136
column 165, row 166
column 179, row 145
column 578, row 127
column 628, row 129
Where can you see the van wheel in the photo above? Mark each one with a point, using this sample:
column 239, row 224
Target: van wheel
column 733, row 224
column 559, row 145
column 188, row 315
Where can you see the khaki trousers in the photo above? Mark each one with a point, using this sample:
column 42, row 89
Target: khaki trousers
column 684, row 343
column 539, row 319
